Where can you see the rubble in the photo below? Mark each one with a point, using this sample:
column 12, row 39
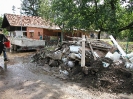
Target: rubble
column 105, row 69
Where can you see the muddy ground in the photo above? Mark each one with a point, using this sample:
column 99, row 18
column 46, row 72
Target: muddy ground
column 22, row 79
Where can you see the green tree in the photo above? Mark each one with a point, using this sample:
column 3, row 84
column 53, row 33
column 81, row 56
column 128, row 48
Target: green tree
column 1, row 19
column 5, row 31
column 31, row 7
column 107, row 15
column 45, row 9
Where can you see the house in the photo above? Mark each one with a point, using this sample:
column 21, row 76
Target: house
column 29, row 26
column 33, row 27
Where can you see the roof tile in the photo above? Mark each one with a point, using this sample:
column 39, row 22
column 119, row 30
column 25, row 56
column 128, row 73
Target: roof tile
column 31, row 21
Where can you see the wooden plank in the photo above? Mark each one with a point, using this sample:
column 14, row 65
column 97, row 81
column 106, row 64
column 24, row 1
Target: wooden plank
column 92, row 51
column 83, row 51
column 118, row 46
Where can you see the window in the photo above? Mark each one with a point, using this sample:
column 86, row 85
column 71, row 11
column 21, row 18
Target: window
column 31, row 34
column 24, row 33
column 39, row 34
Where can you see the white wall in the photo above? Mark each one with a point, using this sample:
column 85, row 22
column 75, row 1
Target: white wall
column 16, row 33
column 19, row 33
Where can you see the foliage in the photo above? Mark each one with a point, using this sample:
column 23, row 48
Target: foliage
column 124, row 46
column 1, row 19
column 45, row 10
column 110, row 16
column 130, row 36
column 5, row 32
column 31, row 7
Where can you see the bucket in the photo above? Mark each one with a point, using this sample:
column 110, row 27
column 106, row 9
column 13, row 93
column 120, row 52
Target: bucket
column 7, row 44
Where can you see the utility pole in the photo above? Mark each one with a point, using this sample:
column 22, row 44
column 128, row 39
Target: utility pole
column 20, row 17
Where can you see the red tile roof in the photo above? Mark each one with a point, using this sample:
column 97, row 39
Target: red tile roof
column 29, row 21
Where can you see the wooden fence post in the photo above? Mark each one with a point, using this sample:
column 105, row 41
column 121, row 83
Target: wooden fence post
column 83, row 51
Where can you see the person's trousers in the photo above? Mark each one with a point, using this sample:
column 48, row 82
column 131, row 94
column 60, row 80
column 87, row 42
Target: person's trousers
column 4, row 54
column 2, row 49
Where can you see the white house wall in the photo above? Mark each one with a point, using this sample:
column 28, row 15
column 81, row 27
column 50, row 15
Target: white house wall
column 16, row 33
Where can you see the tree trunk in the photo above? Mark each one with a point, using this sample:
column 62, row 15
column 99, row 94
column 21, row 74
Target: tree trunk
column 99, row 34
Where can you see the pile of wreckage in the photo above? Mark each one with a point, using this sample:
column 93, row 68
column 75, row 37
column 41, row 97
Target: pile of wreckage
column 83, row 56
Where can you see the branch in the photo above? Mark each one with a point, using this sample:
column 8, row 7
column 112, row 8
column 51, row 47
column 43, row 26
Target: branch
column 96, row 5
column 129, row 26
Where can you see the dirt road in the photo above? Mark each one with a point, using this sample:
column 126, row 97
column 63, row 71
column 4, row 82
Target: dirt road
column 24, row 80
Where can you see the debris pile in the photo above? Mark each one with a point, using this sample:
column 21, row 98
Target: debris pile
column 104, row 68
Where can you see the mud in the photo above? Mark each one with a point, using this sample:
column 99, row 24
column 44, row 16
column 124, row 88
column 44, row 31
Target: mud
column 115, row 79
column 22, row 79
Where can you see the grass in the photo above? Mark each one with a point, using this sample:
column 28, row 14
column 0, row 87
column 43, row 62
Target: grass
column 129, row 48
column 123, row 45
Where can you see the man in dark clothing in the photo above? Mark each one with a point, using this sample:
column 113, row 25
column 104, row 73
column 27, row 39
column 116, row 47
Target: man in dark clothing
column 2, row 47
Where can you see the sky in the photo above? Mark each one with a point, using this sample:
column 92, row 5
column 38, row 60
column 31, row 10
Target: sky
column 6, row 6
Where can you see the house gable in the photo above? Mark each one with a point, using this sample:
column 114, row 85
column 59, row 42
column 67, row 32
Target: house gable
column 26, row 21
column 5, row 22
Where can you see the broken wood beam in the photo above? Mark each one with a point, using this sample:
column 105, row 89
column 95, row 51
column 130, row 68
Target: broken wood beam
column 83, row 51
column 92, row 51
column 91, row 48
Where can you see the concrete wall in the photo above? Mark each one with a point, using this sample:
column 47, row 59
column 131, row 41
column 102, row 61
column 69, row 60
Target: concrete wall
column 16, row 33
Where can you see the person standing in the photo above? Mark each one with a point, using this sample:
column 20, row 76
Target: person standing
column 40, row 37
column 2, row 46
